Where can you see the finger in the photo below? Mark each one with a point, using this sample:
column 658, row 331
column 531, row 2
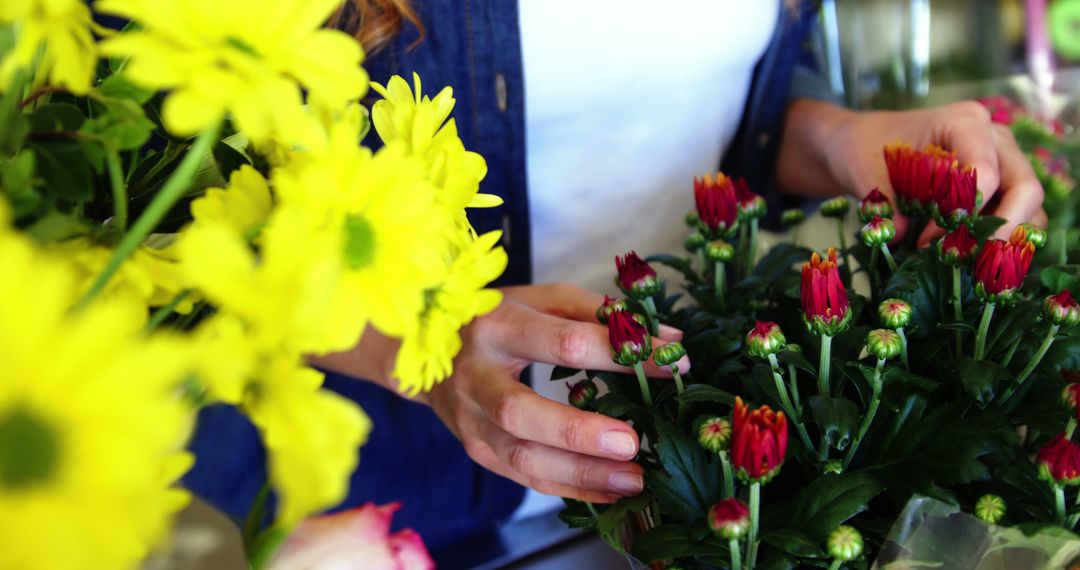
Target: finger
column 1021, row 194
column 931, row 232
column 971, row 135
column 1040, row 218
column 533, row 336
column 570, row 302
column 539, row 462
column 482, row 454
column 525, row 414
column 877, row 178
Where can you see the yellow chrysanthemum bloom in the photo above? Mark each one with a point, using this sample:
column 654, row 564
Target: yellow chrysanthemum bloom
column 90, row 422
column 247, row 58
column 245, row 205
column 426, row 356
column 392, row 235
column 420, row 123
column 62, row 28
column 151, row 275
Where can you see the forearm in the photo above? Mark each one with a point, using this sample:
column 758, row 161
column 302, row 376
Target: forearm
column 808, row 143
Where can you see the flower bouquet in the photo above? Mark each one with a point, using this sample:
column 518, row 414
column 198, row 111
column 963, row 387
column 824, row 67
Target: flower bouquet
column 187, row 217
column 816, row 410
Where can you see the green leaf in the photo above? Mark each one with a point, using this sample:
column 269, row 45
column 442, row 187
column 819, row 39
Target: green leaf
column 985, row 226
column 17, row 182
column 62, row 164
column 55, row 226
column 837, row 417
column 228, row 159
column 679, row 264
column 830, row 501
column 793, row 542
column 121, row 124
column 671, row 540
column 1061, row 277
column 611, row 520
column 118, row 87
column 576, row 514
column 798, row 359
column 781, row 259
column 981, row 378
column 55, row 117
column 562, row 373
column 14, row 125
column 688, row 485
column 1064, row 354
column 706, row 393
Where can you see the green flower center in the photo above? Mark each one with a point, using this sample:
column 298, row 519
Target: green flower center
column 29, row 449
column 359, row 242
column 242, row 46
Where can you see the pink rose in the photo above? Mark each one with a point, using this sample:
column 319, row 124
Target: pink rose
column 353, row 539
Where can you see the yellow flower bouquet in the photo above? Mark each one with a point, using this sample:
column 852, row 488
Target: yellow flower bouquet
column 187, row 216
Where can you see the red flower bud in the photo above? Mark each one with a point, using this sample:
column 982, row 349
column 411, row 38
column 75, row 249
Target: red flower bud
column 610, row 306
column 730, row 519
column 955, row 201
column 764, row 339
column 916, row 176
column 824, row 299
column 636, row 278
column 750, row 204
column 1070, row 396
column 758, row 442
column 1061, row 309
column 1001, row 267
column 957, row 246
column 630, row 341
column 716, row 205
column 582, row 394
column 878, row 232
column 1059, row 461
column 875, row 204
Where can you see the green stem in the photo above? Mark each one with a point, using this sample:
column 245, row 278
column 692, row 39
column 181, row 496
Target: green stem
column 793, row 380
column 875, row 400
column 168, row 195
column 654, row 319
column 1039, row 354
column 742, row 247
column 161, row 313
column 823, row 448
column 718, row 284
column 795, row 235
column 984, row 326
column 592, row 509
column 1063, row 253
column 823, row 365
column 836, row 564
column 679, row 390
column 903, row 347
column 755, row 521
column 644, row 383
column 888, row 257
column 729, row 475
column 872, row 274
column 958, row 307
column 119, row 191
column 1069, row 429
column 751, row 253
column 1059, row 502
column 785, row 402
column 1012, row 351
column 736, row 556
column 843, row 248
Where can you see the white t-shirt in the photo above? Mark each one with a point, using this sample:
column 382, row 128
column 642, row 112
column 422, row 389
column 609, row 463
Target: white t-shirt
column 625, row 103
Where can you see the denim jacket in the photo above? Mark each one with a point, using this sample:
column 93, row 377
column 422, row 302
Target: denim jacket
column 474, row 46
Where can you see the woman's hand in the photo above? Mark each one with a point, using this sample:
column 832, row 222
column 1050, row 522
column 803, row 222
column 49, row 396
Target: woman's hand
column 505, row 425
column 828, row 148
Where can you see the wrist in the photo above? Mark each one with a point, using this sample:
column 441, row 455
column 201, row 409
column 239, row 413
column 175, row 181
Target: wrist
column 815, row 151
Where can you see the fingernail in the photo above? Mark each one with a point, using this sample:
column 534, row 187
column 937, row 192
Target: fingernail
column 626, row 482
column 618, row 443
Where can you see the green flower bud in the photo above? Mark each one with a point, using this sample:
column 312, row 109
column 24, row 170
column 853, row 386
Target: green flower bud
column 668, row 354
column 1035, row 234
column 582, row 394
column 883, row 344
column 719, row 251
column 845, row 543
column 895, row 313
column 694, row 242
column 835, row 466
column 792, row 217
column 878, row 232
column 990, row 508
column 754, row 208
column 764, row 339
column 1061, row 309
column 729, row 519
column 692, row 218
column 713, row 433
column 836, row 207
column 603, row 313
column 875, row 204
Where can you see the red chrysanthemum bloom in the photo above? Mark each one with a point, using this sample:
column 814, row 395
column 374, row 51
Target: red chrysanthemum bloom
column 955, row 201
column 630, row 341
column 916, row 176
column 635, row 277
column 750, row 204
column 1059, row 461
column 729, row 519
column 876, row 203
column 758, row 442
column 824, row 299
column 1070, row 396
column 957, row 245
column 717, row 207
column 1001, row 267
column 1002, row 109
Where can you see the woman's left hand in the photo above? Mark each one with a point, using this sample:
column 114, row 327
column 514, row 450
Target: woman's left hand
column 826, row 146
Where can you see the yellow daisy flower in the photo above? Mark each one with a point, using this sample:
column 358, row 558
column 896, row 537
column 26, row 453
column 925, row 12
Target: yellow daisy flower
column 243, row 57
column 245, row 205
column 426, row 356
column 62, row 28
column 90, row 423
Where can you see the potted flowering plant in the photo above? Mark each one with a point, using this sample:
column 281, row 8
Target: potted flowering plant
column 187, row 214
column 815, row 410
